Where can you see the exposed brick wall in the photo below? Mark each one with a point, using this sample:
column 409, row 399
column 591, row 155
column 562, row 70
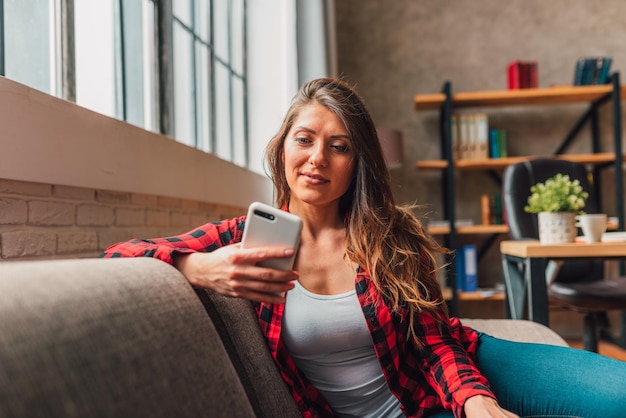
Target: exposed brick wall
column 46, row 221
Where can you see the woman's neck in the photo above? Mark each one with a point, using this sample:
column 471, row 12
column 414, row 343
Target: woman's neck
column 317, row 220
column 321, row 262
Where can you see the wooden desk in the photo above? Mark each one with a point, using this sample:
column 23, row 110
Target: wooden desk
column 531, row 283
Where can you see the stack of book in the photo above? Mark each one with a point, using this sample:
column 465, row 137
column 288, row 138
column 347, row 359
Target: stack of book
column 470, row 136
column 498, row 144
column 593, row 70
column 522, row 75
column 491, row 209
column 472, row 139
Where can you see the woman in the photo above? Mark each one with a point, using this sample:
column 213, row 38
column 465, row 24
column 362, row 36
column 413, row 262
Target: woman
column 361, row 328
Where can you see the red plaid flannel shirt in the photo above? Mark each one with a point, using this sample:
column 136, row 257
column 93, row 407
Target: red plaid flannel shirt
column 442, row 375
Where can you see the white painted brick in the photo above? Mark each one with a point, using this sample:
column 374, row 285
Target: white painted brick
column 147, row 233
column 130, row 217
column 94, row 215
column 157, row 217
column 227, row 212
column 147, row 200
column 25, row 188
column 13, row 211
column 107, row 196
column 180, row 219
column 198, row 219
column 28, row 243
column 206, row 207
column 110, row 237
column 74, row 193
column 50, row 213
column 169, row 202
column 190, row 205
column 76, row 242
column 170, row 232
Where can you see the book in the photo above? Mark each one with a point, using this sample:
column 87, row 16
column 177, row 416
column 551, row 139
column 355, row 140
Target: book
column 603, row 76
column 497, row 208
column 464, row 132
column 503, row 143
column 491, row 209
column 485, row 209
column 592, row 70
column 470, row 136
column 614, row 236
column 482, row 136
column 578, row 72
column 466, row 268
column 532, row 74
column 513, row 73
column 494, row 145
column 497, row 143
column 522, row 75
column 588, row 69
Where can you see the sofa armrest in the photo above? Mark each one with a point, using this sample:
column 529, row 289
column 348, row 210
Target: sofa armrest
column 516, row 330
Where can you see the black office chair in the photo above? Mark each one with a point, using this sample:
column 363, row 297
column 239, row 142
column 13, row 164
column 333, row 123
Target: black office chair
column 578, row 284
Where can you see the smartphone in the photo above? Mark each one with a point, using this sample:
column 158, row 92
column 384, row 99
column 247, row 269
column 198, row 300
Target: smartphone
column 267, row 225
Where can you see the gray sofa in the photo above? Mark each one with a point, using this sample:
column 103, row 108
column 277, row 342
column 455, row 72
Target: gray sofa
column 131, row 338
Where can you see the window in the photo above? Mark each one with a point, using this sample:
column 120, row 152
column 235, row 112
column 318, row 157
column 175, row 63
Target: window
column 210, row 84
column 29, row 43
column 172, row 66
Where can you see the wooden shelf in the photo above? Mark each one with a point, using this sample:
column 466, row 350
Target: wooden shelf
column 471, row 230
column 539, row 96
column 473, row 296
column 487, row 229
column 501, row 163
column 447, row 103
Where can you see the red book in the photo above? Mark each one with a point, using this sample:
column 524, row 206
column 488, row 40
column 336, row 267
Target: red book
column 522, row 75
column 514, row 73
column 533, row 81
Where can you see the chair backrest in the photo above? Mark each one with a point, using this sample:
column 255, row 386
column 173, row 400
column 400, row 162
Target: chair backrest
column 518, row 178
column 516, row 183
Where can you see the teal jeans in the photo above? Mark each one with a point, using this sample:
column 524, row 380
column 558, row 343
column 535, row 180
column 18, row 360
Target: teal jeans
column 538, row 380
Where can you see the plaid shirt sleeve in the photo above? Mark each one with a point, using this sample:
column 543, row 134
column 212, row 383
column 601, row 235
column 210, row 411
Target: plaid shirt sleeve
column 441, row 375
column 206, row 238
column 448, row 364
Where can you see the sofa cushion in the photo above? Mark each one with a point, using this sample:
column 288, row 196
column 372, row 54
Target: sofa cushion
column 114, row 337
column 236, row 322
column 516, row 330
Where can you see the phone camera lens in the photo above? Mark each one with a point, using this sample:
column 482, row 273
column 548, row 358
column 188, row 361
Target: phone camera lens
column 264, row 215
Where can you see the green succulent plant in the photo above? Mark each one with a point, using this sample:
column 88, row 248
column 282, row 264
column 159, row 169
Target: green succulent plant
column 557, row 194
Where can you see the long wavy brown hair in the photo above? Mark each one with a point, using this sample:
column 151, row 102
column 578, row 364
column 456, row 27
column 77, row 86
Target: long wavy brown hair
column 385, row 239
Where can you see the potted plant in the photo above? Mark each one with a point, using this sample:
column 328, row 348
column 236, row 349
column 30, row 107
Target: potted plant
column 556, row 202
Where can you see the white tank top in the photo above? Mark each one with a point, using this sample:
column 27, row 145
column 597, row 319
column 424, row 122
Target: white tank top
column 329, row 341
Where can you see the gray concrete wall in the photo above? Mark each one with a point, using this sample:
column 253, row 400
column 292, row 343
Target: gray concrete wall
column 394, row 49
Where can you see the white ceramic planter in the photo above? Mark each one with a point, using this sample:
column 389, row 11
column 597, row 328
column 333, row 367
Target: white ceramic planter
column 557, row 228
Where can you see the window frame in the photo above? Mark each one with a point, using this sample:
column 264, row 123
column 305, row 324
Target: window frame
column 164, row 106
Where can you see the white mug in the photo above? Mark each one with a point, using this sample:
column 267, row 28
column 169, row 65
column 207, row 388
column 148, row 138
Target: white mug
column 593, row 225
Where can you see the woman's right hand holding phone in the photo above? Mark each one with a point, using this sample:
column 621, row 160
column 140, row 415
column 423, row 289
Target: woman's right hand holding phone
column 233, row 271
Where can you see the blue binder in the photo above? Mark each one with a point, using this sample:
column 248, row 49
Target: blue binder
column 466, row 268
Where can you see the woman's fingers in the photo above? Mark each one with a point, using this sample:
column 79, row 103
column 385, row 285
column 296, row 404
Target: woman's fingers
column 248, row 280
column 233, row 271
column 256, row 255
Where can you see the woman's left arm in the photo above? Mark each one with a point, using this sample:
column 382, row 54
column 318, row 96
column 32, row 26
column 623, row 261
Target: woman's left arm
column 452, row 371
